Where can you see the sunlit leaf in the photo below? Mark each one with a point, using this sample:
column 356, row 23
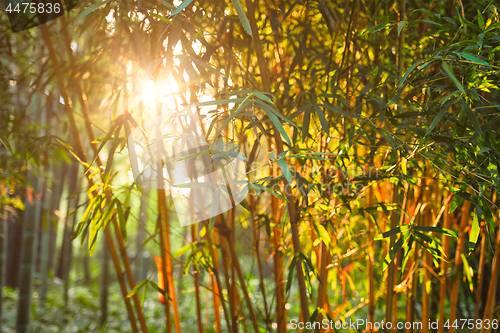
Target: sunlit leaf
column 242, row 16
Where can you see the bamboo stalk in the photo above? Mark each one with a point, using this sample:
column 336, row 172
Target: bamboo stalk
column 217, row 286
column 444, row 264
column 104, row 282
column 162, row 211
column 480, row 278
column 229, row 285
column 239, row 272
column 427, row 256
column 322, row 290
column 279, row 286
column 458, row 263
column 370, row 259
column 492, row 290
column 31, row 217
column 304, row 303
column 391, row 269
column 196, row 285
column 128, row 270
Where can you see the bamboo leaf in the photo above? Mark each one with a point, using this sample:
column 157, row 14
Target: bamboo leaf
column 449, row 72
column 342, row 112
column 90, row 9
column 198, row 62
column 182, row 250
column 378, row 27
column 164, row 19
column 278, row 125
column 467, row 271
column 322, row 119
column 395, row 249
column 285, row 170
column 3, row 140
column 242, row 16
column 121, row 219
column 474, row 232
column 472, row 117
column 269, row 108
column 161, row 291
column 393, row 232
column 269, row 190
column 183, row 5
column 435, row 121
column 401, row 25
column 138, row 287
column 240, row 108
column 291, row 269
column 436, row 229
column 471, row 57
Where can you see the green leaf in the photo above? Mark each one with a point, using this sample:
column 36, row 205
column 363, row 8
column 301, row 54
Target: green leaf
column 378, row 27
column 305, row 124
column 472, row 58
column 269, row 190
column 467, row 271
column 401, row 25
column 161, row 291
column 472, row 117
column 137, row 288
column 266, row 107
column 164, row 19
column 263, row 97
column 179, row 9
column 285, row 170
column 435, row 121
column 182, row 250
column 322, row 119
column 85, row 217
column 395, row 249
column 393, row 232
column 388, row 137
column 204, row 65
column 291, row 269
column 121, row 219
column 466, row 196
column 474, row 232
column 278, row 125
column 187, row 264
column 342, row 112
column 3, row 140
column 144, row 295
column 166, row 4
column 449, row 72
column 437, row 229
column 480, row 20
column 240, row 108
column 90, row 9
column 242, row 16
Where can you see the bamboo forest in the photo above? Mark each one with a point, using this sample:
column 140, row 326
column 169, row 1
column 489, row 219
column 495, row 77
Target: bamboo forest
column 209, row 166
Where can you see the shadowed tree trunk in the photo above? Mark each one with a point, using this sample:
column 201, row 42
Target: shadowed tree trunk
column 29, row 243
